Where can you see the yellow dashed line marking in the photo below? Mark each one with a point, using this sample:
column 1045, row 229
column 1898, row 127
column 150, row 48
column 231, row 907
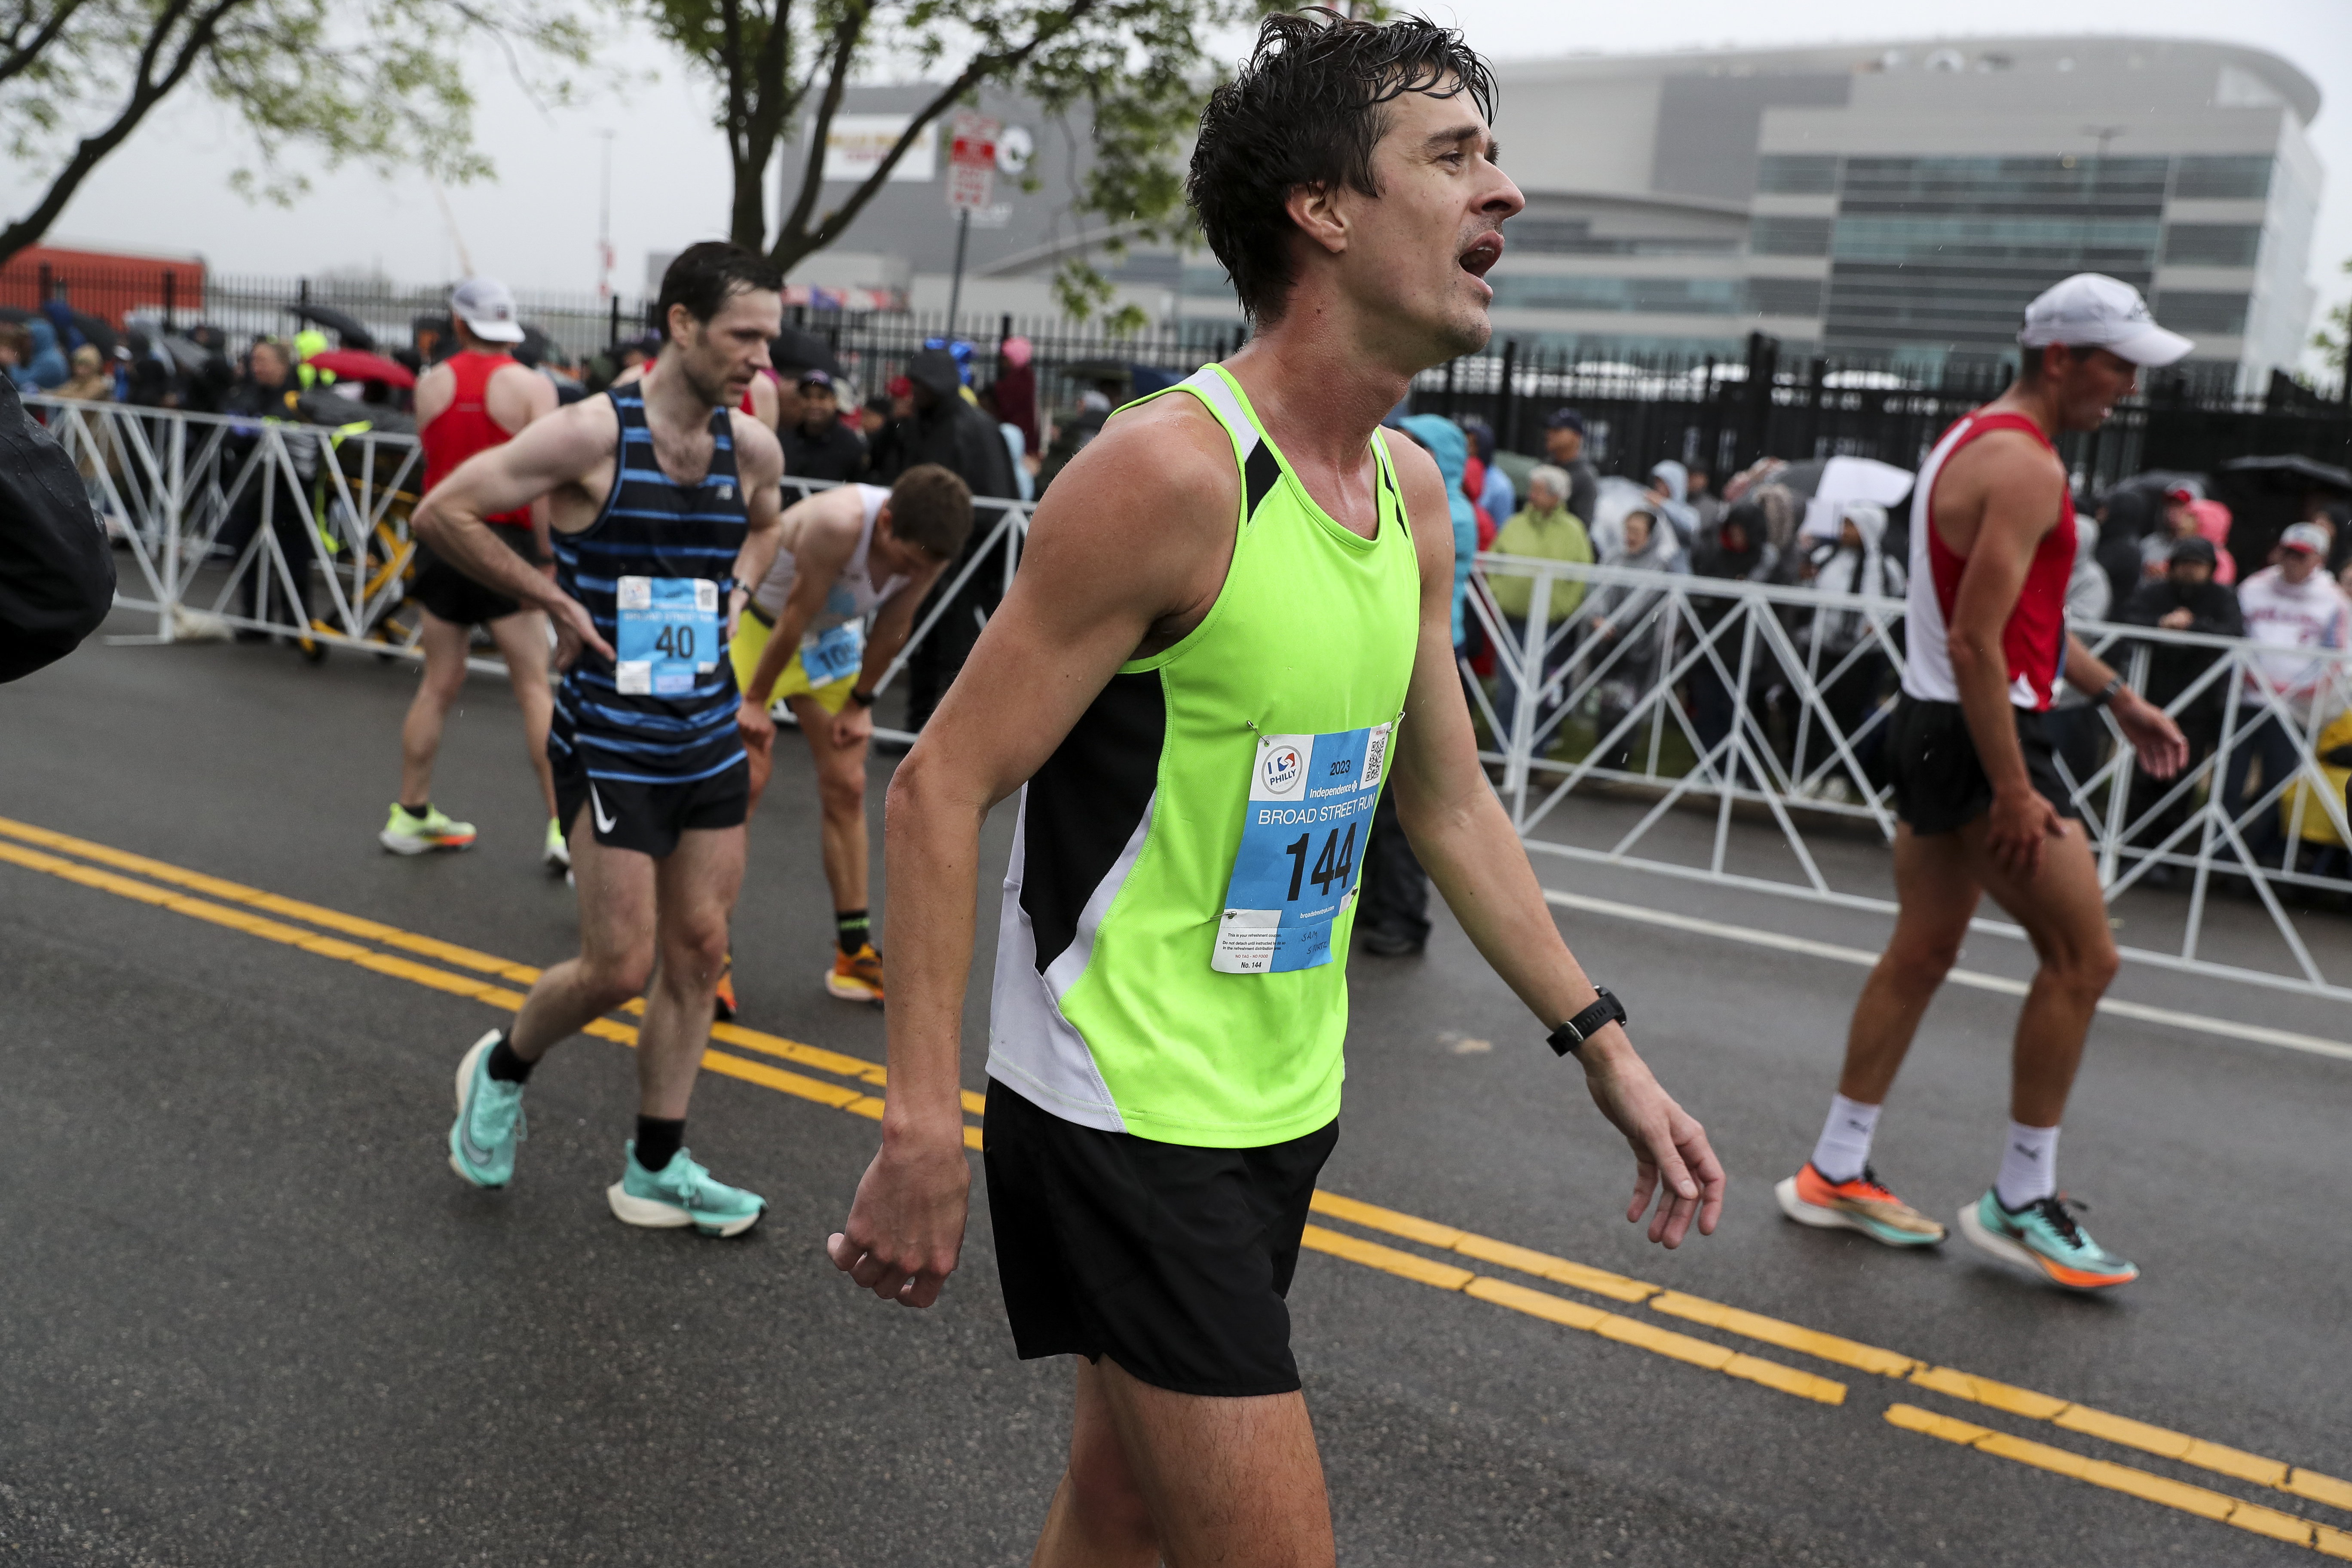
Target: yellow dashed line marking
column 1563, row 1311
column 2198, row 1500
column 252, row 918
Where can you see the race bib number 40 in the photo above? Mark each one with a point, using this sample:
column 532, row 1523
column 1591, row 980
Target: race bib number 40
column 1302, row 854
column 669, row 635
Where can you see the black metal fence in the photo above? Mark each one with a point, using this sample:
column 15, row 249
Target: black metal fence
column 1713, row 414
column 1722, row 414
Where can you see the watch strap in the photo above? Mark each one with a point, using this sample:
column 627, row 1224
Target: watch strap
column 1604, row 1011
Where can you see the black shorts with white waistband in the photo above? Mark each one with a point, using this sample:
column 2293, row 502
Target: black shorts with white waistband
column 1938, row 782
column 1171, row 1260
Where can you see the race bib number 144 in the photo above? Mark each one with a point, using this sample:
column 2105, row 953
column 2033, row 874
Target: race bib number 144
column 1302, row 851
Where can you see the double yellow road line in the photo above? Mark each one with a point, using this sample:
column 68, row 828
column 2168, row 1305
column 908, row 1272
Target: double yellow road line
column 466, row 972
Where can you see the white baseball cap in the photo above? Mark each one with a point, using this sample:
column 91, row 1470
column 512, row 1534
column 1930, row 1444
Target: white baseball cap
column 487, row 307
column 2304, row 536
column 2091, row 310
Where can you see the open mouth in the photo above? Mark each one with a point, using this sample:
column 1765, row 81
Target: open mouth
column 1483, row 252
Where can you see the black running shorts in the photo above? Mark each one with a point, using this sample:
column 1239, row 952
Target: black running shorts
column 1938, row 784
column 1171, row 1260
column 458, row 598
column 646, row 817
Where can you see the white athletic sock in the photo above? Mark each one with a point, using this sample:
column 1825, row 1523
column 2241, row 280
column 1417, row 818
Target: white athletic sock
column 2029, row 1167
column 1845, row 1146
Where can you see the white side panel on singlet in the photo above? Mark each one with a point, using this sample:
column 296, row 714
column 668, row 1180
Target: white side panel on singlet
column 1928, row 655
column 1032, row 1047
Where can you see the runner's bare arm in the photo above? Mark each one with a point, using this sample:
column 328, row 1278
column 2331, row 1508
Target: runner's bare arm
column 2162, row 749
column 894, row 622
column 520, row 397
column 573, row 446
column 1128, row 550
column 2005, row 482
column 760, row 470
column 1458, row 829
column 854, row 723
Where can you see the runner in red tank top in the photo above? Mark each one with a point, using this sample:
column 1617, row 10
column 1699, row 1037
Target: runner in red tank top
column 477, row 399
column 1976, row 787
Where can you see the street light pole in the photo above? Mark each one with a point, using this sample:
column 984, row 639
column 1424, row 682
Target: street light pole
column 605, row 224
column 955, row 288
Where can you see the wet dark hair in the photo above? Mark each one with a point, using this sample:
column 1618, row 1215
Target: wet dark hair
column 1308, row 109
column 931, row 508
column 704, row 276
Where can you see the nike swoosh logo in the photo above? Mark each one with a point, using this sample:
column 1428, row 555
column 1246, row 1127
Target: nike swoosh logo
column 475, row 1152
column 603, row 824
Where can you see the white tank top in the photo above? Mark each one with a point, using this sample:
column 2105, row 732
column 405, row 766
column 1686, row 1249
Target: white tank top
column 853, row 596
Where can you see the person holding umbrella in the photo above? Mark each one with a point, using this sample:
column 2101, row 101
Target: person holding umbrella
column 478, row 397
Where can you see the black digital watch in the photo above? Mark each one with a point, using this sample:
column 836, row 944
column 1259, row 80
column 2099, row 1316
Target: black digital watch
column 1571, row 1037
column 862, row 698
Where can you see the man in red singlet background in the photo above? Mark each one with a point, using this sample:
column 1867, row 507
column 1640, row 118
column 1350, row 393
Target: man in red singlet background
column 1976, row 787
column 478, row 398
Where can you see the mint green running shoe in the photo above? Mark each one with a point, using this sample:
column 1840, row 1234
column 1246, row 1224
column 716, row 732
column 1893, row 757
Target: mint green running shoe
column 2044, row 1236
column 490, row 1119
column 681, row 1193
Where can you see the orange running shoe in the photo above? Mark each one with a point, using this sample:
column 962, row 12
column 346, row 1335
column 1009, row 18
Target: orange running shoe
column 723, row 1005
column 856, row 976
column 1810, row 1198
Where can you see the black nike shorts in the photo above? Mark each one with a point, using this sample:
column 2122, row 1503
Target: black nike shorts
column 1938, row 782
column 458, row 598
column 646, row 817
column 1171, row 1260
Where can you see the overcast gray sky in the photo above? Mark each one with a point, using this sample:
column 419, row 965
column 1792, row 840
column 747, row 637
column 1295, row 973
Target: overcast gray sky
column 535, row 224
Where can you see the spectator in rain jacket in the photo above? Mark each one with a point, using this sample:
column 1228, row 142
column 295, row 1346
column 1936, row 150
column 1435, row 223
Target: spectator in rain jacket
column 1544, row 531
column 949, row 430
column 1670, row 498
column 46, row 366
column 2294, row 609
column 1445, row 441
column 2186, row 599
column 56, row 575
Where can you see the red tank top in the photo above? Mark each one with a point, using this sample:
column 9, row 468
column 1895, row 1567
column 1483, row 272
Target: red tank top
column 2033, row 639
column 466, row 427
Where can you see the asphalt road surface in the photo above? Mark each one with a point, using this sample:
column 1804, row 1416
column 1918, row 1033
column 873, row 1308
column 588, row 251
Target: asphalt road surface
column 248, row 1315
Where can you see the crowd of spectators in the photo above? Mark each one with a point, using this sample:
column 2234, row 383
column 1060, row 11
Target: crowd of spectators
column 2150, row 552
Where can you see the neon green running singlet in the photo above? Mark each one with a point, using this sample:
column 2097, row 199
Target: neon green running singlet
column 1173, row 957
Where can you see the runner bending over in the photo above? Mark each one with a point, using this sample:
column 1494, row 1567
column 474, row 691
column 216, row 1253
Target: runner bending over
column 1231, row 626
column 664, row 503
column 476, row 399
column 847, row 553
column 1979, row 802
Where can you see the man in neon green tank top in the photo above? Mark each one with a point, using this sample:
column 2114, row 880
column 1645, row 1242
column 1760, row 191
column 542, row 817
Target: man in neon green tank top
column 1232, row 628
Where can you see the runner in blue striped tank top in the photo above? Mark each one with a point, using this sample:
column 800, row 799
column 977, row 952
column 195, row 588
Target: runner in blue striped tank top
column 665, row 504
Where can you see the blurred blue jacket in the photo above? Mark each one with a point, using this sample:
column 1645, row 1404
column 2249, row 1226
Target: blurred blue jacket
column 1446, row 442
column 48, row 367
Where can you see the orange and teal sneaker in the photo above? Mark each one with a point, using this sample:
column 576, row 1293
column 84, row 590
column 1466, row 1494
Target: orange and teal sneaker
column 1863, row 1204
column 856, row 976
column 722, row 1009
column 2046, row 1236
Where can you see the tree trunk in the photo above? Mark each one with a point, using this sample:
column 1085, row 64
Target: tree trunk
column 748, row 222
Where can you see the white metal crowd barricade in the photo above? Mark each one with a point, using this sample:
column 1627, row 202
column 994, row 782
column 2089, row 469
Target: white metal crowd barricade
column 1758, row 706
column 197, row 498
column 1764, row 706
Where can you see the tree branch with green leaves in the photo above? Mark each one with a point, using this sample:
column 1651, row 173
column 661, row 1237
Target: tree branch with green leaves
column 1136, row 71
column 377, row 84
